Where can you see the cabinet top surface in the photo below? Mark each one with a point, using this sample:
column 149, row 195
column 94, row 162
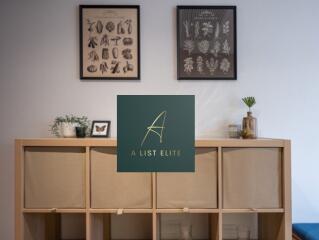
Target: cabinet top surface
column 112, row 142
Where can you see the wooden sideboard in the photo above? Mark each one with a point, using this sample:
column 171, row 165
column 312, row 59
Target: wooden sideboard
column 77, row 179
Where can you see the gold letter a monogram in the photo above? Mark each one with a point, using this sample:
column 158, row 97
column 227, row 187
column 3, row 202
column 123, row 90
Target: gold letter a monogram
column 157, row 129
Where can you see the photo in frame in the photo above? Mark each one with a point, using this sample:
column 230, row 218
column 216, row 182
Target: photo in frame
column 206, row 43
column 109, row 42
column 100, row 128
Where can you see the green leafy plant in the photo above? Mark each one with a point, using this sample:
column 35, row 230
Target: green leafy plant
column 249, row 101
column 79, row 121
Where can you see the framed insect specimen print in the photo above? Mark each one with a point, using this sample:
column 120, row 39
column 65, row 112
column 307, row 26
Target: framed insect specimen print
column 100, row 128
column 206, row 42
column 109, row 42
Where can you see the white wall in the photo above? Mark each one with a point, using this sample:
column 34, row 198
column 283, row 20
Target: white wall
column 277, row 62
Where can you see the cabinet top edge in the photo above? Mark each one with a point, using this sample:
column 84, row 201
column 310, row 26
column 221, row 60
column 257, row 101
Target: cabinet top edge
column 112, row 142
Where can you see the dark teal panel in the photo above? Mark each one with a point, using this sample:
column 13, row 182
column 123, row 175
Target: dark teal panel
column 156, row 133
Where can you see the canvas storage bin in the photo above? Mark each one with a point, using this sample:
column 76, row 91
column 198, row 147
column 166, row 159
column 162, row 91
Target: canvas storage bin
column 112, row 189
column 252, row 178
column 54, row 177
column 190, row 190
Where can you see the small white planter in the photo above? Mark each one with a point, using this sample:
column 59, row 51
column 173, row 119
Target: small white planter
column 68, row 130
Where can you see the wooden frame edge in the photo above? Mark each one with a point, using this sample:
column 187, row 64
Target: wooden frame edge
column 287, row 190
column 137, row 7
column 19, row 228
column 185, row 7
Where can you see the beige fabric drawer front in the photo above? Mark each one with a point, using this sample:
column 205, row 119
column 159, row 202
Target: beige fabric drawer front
column 54, row 177
column 252, row 178
column 191, row 190
column 110, row 189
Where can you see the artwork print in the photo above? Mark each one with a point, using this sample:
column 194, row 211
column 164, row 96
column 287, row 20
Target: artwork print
column 100, row 128
column 109, row 42
column 206, row 42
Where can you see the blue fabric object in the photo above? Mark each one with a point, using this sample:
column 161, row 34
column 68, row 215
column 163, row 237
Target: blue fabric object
column 306, row 231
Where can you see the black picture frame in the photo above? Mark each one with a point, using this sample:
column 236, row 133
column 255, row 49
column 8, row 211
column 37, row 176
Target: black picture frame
column 107, row 132
column 231, row 59
column 136, row 46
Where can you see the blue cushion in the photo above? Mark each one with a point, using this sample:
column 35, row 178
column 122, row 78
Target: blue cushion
column 306, row 231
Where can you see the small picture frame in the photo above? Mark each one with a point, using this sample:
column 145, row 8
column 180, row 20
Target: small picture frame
column 100, row 128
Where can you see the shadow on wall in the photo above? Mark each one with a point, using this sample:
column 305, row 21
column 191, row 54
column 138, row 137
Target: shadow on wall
column 214, row 122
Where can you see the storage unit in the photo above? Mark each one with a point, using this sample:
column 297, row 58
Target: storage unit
column 190, row 190
column 252, row 178
column 260, row 225
column 175, row 225
column 70, row 189
column 54, row 177
column 125, row 226
column 110, row 189
column 54, row 226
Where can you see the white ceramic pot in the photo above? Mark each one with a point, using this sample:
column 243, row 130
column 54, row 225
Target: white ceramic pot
column 68, row 130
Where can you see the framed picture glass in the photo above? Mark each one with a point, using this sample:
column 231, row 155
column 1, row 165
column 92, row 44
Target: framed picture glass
column 100, row 128
column 206, row 42
column 109, row 42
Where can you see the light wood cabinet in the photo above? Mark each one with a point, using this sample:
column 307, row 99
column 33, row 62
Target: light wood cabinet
column 70, row 189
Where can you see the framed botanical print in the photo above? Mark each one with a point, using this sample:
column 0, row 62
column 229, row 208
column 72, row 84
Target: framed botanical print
column 109, row 42
column 206, row 42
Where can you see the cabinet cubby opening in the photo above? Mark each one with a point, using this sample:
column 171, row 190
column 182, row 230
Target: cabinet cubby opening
column 192, row 190
column 203, row 226
column 57, row 226
column 121, row 227
column 54, row 177
column 256, row 225
column 260, row 167
column 132, row 190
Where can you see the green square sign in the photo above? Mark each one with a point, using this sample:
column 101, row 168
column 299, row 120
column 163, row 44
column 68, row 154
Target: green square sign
column 155, row 133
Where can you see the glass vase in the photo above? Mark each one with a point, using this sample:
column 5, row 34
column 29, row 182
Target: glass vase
column 249, row 127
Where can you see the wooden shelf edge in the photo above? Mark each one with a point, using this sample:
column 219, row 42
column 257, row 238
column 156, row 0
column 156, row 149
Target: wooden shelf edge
column 191, row 210
column 229, row 142
column 166, row 210
column 69, row 142
column 162, row 210
column 49, row 210
column 112, row 142
column 260, row 210
column 124, row 211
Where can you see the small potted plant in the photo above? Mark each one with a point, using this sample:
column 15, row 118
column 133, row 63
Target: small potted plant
column 249, row 122
column 69, row 126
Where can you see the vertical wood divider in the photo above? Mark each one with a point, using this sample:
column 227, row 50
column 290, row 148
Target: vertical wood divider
column 106, row 226
column 19, row 183
column 52, row 222
column 287, row 189
column 220, row 194
column 154, row 215
column 87, row 194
